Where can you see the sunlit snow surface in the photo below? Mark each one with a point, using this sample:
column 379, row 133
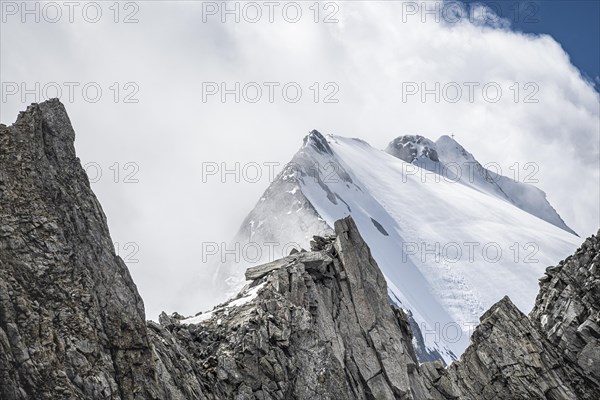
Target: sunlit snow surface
column 435, row 240
column 245, row 298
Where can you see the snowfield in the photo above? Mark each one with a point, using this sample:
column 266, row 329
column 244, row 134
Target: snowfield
column 449, row 248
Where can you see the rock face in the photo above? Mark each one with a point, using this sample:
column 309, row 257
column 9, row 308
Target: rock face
column 319, row 327
column 567, row 308
column 71, row 320
column 296, row 218
column 553, row 354
column 312, row 325
column 411, row 147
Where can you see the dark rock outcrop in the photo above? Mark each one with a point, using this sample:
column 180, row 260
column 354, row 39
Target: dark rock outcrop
column 312, row 325
column 319, row 327
column 318, row 141
column 567, row 309
column 410, row 147
column 553, row 354
column 71, row 320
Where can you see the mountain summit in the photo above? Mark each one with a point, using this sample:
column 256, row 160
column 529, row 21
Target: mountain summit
column 313, row 325
column 449, row 159
column 451, row 237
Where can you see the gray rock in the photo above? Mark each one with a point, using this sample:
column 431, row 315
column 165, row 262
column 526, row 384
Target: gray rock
column 567, row 309
column 407, row 148
column 313, row 325
column 259, row 271
column 307, row 334
column 553, row 354
column 71, row 319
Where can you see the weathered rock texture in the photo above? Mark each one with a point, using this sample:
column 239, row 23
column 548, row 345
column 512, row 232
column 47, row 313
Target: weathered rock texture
column 314, row 325
column 567, row 308
column 553, row 354
column 71, row 320
column 320, row 327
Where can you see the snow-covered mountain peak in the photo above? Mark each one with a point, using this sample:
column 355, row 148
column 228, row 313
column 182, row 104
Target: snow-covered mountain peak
column 448, row 148
column 449, row 248
column 449, row 159
column 316, row 140
column 451, row 151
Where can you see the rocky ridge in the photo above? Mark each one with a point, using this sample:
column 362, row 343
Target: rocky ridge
column 319, row 327
column 399, row 207
column 314, row 324
column 72, row 323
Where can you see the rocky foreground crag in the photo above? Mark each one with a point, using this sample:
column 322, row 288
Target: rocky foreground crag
column 313, row 325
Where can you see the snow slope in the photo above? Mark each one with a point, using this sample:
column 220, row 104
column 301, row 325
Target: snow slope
column 448, row 249
column 450, row 160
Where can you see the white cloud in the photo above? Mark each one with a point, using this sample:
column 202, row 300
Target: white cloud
column 374, row 49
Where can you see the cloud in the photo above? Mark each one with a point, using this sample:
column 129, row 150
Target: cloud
column 369, row 61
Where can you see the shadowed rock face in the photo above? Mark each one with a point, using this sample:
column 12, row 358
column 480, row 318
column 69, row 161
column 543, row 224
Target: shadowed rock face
column 320, row 327
column 567, row 309
column 314, row 325
column 552, row 354
column 71, row 319
column 410, row 147
column 510, row 359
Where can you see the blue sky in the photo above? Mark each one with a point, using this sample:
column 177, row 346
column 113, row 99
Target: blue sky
column 575, row 24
